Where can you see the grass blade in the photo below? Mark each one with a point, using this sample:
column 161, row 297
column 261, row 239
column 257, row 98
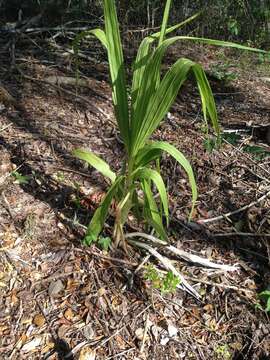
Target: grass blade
column 98, row 33
column 151, row 210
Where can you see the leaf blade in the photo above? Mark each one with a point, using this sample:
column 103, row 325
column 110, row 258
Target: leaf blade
column 117, row 70
column 96, row 162
column 97, row 222
column 150, row 174
column 182, row 160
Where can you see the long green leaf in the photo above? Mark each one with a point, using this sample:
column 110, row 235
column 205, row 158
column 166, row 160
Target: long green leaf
column 146, row 155
column 180, row 158
column 164, row 22
column 151, row 209
column 154, row 176
column 147, row 90
column 144, row 54
column 100, row 215
column 96, row 162
column 218, row 43
column 176, row 26
column 98, row 33
column 117, row 70
column 208, row 102
column 159, row 103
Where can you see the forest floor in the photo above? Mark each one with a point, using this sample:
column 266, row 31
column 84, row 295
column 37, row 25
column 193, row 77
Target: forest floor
column 62, row 300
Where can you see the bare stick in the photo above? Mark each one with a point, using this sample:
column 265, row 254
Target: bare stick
column 239, row 234
column 222, row 286
column 183, row 254
column 5, row 127
column 225, row 216
column 144, row 334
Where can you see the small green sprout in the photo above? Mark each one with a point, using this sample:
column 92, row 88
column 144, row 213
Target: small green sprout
column 223, row 352
column 165, row 283
column 264, row 296
column 19, row 178
column 104, row 243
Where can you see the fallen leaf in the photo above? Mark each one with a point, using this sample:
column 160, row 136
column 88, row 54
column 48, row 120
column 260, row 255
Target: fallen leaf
column 164, row 341
column 32, row 345
column 14, row 300
column 101, row 291
column 88, row 332
column 39, row 320
column 68, row 314
column 156, row 330
column 172, row 330
column 208, row 307
column 139, row 333
column 87, row 354
column 62, row 330
column 55, row 287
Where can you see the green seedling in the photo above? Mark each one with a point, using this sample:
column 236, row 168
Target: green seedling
column 264, row 297
column 20, row 179
column 222, row 352
column 104, row 243
column 165, row 283
column 222, row 73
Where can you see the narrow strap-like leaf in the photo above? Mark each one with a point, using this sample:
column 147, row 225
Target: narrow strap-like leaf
column 117, row 70
column 100, row 215
column 152, row 211
column 153, row 175
column 143, row 56
column 98, row 33
column 146, row 155
column 164, row 21
column 96, row 162
column 160, row 103
column 181, row 159
column 147, row 92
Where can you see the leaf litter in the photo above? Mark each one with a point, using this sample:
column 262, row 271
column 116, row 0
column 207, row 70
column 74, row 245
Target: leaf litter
column 59, row 298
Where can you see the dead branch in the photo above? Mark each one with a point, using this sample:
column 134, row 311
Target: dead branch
column 227, row 215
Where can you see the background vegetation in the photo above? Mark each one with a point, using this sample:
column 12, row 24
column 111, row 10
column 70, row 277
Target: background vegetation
column 245, row 20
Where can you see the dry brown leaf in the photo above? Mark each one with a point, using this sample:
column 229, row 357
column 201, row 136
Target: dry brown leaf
column 101, row 291
column 55, row 287
column 32, row 345
column 208, row 307
column 13, row 300
column 140, row 333
column 39, row 320
column 68, row 314
column 87, row 354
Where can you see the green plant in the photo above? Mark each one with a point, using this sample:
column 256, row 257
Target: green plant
column 258, row 152
column 20, row 179
column 138, row 116
column 233, row 26
column 165, row 283
column 222, row 352
column 104, row 243
column 264, row 296
column 222, row 72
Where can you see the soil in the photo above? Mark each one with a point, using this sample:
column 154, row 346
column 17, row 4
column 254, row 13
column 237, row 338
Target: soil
column 60, row 299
